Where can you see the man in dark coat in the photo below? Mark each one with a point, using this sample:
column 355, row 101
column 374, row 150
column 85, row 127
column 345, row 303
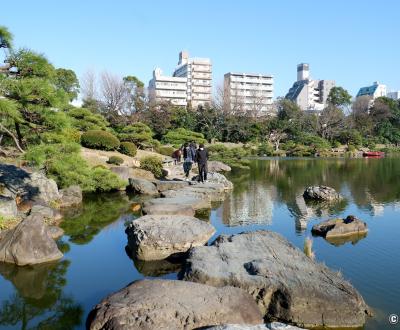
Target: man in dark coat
column 202, row 159
column 189, row 156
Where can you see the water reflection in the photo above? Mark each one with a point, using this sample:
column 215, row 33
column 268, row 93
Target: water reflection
column 157, row 268
column 353, row 239
column 38, row 302
column 97, row 212
column 369, row 183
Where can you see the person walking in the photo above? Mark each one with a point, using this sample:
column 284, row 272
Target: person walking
column 188, row 159
column 202, row 159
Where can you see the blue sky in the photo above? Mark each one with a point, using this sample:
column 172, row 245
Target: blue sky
column 353, row 42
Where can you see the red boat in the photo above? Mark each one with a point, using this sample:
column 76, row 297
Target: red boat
column 377, row 154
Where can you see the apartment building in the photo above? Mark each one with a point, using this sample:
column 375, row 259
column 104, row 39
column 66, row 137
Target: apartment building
column 246, row 92
column 309, row 94
column 168, row 89
column 198, row 72
column 394, row 95
column 374, row 91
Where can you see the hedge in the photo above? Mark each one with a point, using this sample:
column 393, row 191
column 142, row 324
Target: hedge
column 102, row 140
column 128, row 148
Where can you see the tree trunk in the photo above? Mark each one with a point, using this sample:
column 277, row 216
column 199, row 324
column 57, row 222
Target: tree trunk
column 4, row 129
column 19, row 135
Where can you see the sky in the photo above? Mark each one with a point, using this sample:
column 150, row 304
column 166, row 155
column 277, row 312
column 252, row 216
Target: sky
column 352, row 42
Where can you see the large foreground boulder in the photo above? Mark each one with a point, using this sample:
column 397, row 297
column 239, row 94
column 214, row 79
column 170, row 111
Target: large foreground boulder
column 143, row 187
column 8, row 207
column 194, row 203
column 156, row 237
column 351, row 226
column 173, row 305
column 286, row 284
column 217, row 166
column 268, row 326
column 321, row 193
column 30, row 242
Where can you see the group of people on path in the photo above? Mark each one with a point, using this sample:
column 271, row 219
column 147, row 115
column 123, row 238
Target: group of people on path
column 192, row 154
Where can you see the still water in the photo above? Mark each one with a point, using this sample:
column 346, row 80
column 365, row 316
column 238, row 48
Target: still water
column 95, row 264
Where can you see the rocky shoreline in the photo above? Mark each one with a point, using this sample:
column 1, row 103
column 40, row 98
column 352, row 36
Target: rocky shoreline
column 241, row 281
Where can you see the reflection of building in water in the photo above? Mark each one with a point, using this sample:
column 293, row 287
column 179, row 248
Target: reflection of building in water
column 376, row 209
column 303, row 212
column 250, row 207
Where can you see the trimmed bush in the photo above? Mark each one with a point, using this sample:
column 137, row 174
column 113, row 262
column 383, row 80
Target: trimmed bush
column 166, row 150
column 152, row 164
column 115, row 160
column 102, row 140
column 138, row 133
column 84, row 120
column 128, row 148
column 105, row 180
column 181, row 135
column 230, row 156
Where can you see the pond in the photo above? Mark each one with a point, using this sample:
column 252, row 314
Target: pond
column 95, row 264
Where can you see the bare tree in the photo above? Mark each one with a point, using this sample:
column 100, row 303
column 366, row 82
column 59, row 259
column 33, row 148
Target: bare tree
column 258, row 101
column 360, row 118
column 276, row 136
column 89, row 87
column 114, row 96
column 221, row 99
column 330, row 122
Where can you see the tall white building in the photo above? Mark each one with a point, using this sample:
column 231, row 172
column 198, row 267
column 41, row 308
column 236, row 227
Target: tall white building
column 248, row 92
column 168, row 89
column 198, row 72
column 376, row 90
column 309, row 94
column 394, row 95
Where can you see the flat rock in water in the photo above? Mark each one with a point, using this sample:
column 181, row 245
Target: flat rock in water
column 351, row 226
column 268, row 326
column 173, row 305
column 30, row 242
column 144, row 187
column 322, row 193
column 171, row 185
column 195, row 203
column 286, row 284
column 156, row 237
column 169, row 209
column 213, row 192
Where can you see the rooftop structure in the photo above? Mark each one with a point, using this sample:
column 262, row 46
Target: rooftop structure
column 307, row 93
column 375, row 90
